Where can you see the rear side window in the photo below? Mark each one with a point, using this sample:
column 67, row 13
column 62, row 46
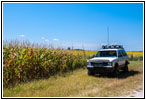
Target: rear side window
column 124, row 53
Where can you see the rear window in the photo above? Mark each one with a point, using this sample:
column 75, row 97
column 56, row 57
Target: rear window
column 124, row 53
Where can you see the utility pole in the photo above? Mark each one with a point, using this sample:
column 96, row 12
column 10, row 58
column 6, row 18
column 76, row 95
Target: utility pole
column 108, row 35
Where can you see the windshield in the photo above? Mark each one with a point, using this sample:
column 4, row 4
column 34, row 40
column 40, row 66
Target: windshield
column 106, row 54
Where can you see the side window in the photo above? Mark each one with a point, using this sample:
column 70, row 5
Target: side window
column 122, row 52
column 119, row 53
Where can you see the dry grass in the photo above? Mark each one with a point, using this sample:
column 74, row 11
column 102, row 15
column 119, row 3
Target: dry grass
column 79, row 84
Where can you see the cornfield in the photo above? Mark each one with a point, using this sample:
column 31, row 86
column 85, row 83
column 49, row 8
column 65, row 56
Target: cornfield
column 23, row 62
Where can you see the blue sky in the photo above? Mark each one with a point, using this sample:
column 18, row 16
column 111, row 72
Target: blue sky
column 75, row 24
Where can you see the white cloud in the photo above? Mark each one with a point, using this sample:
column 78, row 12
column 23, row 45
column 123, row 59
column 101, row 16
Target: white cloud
column 22, row 35
column 43, row 38
column 56, row 39
column 46, row 40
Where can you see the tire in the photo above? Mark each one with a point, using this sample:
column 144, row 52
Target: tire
column 125, row 69
column 90, row 72
column 116, row 71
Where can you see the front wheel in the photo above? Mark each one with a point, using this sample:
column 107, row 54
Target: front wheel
column 90, row 72
column 116, row 71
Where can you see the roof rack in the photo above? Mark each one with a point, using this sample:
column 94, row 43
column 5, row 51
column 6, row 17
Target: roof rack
column 112, row 47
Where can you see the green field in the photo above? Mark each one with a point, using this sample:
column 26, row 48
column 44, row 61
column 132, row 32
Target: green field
column 79, row 84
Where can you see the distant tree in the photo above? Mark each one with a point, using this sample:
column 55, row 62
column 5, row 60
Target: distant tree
column 68, row 48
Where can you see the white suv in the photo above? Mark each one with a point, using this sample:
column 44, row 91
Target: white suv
column 108, row 60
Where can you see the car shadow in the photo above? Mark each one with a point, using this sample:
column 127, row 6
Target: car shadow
column 121, row 74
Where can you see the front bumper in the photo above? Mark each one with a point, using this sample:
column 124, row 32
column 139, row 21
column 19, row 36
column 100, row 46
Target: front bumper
column 103, row 69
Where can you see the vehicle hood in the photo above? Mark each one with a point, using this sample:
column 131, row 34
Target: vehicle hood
column 102, row 59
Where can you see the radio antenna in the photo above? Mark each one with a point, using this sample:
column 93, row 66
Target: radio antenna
column 108, row 35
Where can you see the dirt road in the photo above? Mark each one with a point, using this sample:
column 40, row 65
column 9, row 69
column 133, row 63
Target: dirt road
column 137, row 93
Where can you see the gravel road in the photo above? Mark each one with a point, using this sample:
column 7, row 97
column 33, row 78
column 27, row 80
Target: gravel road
column 137, row 93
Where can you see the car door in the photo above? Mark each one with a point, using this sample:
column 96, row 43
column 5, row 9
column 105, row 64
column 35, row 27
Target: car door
column 125, row 57
column 120, row 58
